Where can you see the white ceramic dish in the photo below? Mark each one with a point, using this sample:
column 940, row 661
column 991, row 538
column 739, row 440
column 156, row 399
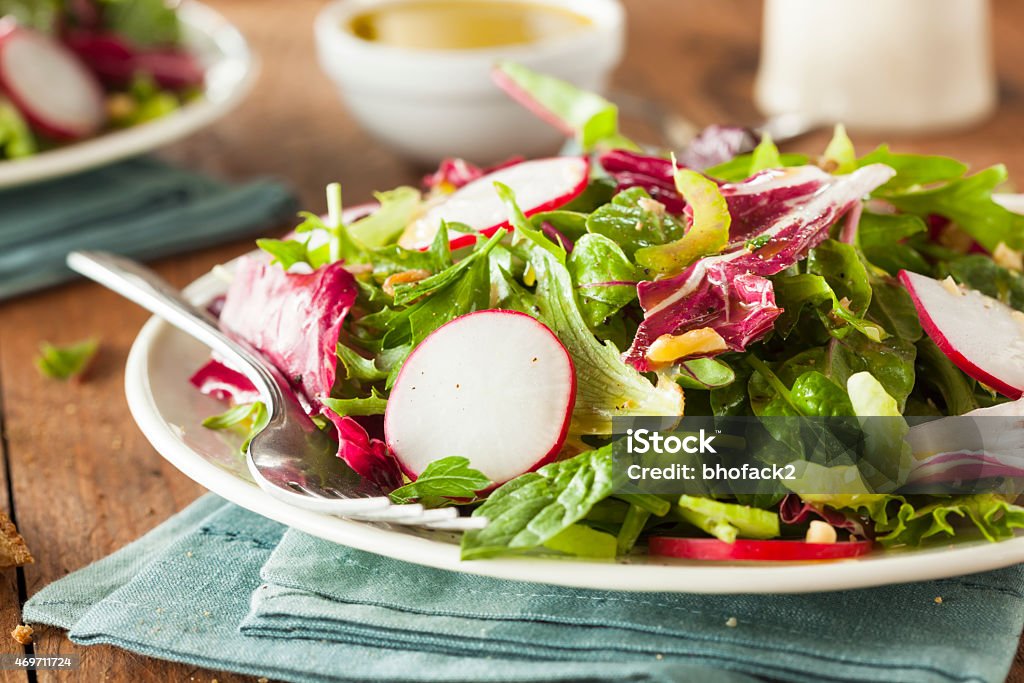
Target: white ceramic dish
column 230, row 73
column 398, row 93
column 169, row 412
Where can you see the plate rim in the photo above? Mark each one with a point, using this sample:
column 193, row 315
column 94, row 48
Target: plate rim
column 146, row 137
column 877, row 569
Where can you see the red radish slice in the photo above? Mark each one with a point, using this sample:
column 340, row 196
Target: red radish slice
column 539, row 185
column 982, row 336
column 496, row 387
column 764, row 551
column 49, row 85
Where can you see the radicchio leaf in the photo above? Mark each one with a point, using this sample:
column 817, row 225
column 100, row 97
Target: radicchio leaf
column 729, row 292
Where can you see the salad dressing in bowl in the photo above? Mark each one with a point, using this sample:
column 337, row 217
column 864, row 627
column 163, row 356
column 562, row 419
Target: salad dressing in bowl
column 465, row 24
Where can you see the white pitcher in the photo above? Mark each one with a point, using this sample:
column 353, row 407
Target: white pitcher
column 893, row 65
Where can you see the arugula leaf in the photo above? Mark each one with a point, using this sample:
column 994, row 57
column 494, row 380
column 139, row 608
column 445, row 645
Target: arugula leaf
column 912, row 170
column 146, row 23
column 397, row 209
column 633, row 221
column 764, row 156
column 728, row 521
column 442, row 480
column 16, row 139
column 285, row 252
column 247, row 419
column 709, row 233
column 606, row 386
column 604, row 277
column 374, row 404
column 741, row 167
column 593, row 120
column 968, row 203
column 358, row 368
column 66, row 362
column 527, row 512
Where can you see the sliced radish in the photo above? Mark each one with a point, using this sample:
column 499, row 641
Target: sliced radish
column 763, row 551
column 539, row 185
column 982, row 336
column 49, row 85
column 496, row 387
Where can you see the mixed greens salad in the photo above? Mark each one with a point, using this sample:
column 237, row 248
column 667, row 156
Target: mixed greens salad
column 730, row 280
column 70, row 69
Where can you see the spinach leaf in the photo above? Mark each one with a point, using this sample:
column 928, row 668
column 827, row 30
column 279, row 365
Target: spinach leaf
column 842, row 268
column 882, row 238
column 604, row 277
column 532, row 509
column 983, row 274
column 741, row 166
column 633, row 221
column 440, row 482
column 956, row 389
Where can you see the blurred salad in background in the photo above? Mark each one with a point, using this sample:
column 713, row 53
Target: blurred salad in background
column 72, row 69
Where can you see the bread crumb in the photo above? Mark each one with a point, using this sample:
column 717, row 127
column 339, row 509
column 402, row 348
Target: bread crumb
column 13, row 551
column 938, row 600
column 22, row 634
column 731, row 622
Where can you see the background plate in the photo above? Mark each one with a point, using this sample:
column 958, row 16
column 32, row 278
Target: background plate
column 169, row 412
column 230, row 72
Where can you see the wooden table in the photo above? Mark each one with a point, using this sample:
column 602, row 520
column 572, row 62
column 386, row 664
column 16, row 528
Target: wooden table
column 77, row 475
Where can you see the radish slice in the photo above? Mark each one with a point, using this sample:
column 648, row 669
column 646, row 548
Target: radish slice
column 982, row 336
column 49, row 85
column 496, row 387
column 539, row 185
column 764, row 551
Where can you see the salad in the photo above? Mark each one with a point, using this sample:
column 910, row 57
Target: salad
column 473, row 342
column 72, row 69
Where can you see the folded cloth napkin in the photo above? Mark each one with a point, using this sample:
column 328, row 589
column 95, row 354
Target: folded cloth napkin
column 180, row 592
column 322, row 612
column 143, row 208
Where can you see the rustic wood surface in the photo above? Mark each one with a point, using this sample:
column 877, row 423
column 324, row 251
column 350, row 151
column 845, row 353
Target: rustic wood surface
column 78, row 476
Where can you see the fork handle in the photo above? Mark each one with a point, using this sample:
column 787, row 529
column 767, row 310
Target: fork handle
column 143, row 286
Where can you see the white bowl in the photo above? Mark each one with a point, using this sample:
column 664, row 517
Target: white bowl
column 431, row 104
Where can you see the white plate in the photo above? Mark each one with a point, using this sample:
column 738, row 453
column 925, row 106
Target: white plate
column 169, row 412
column 230, row 72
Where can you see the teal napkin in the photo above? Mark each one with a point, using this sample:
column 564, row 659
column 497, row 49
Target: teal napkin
column 142, row 208
column 181, row 591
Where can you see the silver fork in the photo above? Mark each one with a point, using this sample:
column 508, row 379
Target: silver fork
column 291, row 459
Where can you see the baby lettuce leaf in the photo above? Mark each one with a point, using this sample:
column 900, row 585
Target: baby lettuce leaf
column 442, row 480
column 384, row 225
column 606, row 387
column 529, row 511
column 604, row 277
column 593, row 120
column 634, row 221
column 66, row 362
column 968, row 203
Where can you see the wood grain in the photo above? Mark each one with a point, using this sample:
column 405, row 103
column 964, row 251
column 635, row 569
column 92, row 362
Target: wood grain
column 84, row 480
